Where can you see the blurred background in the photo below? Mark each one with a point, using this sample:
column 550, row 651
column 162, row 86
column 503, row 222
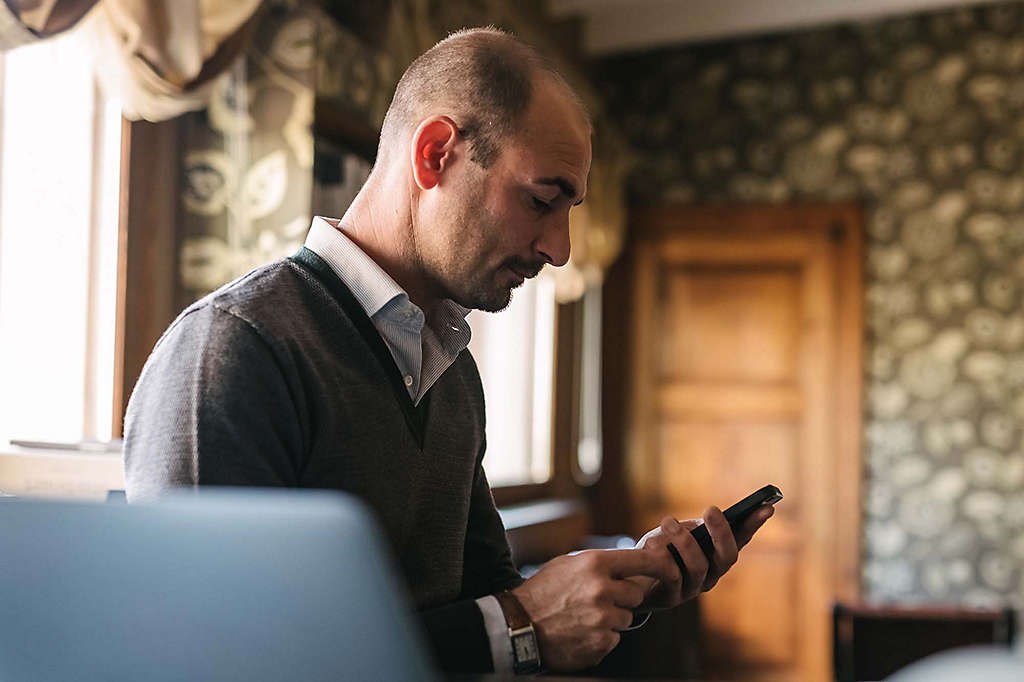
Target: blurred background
column 800, row 262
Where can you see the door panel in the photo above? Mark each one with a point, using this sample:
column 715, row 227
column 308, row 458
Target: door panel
column 734, row 458
column 768, row 633
column 731, row 324
column 748, row 313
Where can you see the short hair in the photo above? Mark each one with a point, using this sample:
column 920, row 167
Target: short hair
column 483, row 77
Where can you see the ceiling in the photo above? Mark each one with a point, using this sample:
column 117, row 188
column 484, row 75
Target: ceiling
column 626, row 25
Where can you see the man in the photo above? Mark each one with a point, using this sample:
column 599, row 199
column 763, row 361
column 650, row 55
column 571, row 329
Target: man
column 346, row 366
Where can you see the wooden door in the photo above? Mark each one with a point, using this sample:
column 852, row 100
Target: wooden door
column 746, row 349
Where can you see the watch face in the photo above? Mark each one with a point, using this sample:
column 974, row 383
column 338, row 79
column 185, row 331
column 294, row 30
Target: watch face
column 525, row 646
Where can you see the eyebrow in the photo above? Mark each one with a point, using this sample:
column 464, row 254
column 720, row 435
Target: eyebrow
column 568, row 189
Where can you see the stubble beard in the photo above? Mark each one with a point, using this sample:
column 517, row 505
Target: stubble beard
column 492, row 302
column 478, row 288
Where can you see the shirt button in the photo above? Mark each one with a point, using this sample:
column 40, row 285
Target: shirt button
column 408, row 380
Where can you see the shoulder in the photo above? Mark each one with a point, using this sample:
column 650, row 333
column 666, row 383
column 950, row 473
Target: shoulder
column 267, row 301
column 273, row 290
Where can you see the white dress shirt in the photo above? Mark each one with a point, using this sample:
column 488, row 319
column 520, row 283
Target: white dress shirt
column 422, row 348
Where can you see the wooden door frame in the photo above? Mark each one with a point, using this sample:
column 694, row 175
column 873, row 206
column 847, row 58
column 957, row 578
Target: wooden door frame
column 149, row 237
column 845, row 225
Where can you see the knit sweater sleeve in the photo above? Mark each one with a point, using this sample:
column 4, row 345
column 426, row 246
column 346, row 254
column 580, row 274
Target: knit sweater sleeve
column 487, row 562
column 456, row 631
column 213, row 406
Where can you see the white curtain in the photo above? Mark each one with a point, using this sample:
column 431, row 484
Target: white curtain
column 160, row 58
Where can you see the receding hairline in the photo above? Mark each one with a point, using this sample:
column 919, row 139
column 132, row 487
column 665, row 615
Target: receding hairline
column 429, row 87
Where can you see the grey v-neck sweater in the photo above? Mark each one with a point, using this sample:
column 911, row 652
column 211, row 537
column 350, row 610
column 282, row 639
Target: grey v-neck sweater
column 280, row 379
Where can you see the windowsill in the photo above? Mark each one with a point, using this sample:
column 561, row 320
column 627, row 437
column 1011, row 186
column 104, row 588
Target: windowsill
column 545, row 528
column 516, row 516
column 538, row 529
column 79, row 473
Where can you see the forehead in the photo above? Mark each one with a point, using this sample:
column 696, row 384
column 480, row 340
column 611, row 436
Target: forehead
column 555, row 137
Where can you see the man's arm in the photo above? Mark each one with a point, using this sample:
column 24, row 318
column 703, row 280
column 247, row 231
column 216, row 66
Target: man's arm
column 212, row 407
column 466, row 635
column 457, row 637
column 488, row 567
column 487, row 558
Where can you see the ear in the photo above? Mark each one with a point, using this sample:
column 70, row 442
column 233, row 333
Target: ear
column 433, row 146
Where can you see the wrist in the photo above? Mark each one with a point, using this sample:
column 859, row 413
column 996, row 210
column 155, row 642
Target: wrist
column 521, row 632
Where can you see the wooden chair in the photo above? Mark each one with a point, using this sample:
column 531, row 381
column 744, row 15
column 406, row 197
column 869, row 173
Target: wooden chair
column 872, row 642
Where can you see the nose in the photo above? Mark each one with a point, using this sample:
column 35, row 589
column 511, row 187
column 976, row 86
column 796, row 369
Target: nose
column 553, row 244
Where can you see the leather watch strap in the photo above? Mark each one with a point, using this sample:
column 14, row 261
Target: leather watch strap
column 522, row 636
column 515, row 615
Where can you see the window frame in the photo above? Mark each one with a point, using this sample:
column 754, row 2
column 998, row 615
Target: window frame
column 565, row 417
column 148, row 288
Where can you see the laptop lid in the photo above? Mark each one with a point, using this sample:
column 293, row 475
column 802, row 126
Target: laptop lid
column 220, row 585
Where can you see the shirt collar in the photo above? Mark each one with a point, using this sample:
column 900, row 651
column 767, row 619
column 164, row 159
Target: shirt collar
column 378, row 292
column 369, row 283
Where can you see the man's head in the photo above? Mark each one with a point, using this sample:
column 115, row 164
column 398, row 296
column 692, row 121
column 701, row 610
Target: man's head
column 495, row 149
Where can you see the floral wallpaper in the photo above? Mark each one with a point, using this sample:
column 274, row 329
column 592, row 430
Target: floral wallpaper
column 921, row 119
column 247, row 159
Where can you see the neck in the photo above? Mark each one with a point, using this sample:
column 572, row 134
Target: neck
column 379, row 221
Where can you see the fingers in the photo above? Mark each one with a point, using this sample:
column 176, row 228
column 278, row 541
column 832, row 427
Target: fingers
column 609, row 641
column 689, row 524
column 670, row 525
column 745, row 532
column 622, row 593
column 693, row 558
column 623, row 563
column 654, row 532
column 617, row 619
column 696, row 564
column 726, row 552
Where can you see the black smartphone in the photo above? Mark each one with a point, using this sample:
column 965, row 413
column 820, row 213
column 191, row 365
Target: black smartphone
column 737, row 514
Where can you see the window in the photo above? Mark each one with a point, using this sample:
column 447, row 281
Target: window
column 59, row 183
column 589, row 447
column 515, row 352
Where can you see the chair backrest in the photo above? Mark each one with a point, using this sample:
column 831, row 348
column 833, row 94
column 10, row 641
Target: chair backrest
column 872, row 642
column 239, row 585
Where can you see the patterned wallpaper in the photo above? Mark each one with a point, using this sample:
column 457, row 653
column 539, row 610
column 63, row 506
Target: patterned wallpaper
column 921, row 119
column 247, row 159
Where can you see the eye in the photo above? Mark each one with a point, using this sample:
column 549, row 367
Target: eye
column 539, row 205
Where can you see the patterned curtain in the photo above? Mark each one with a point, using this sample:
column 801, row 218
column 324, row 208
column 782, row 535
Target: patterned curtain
column 161, row 58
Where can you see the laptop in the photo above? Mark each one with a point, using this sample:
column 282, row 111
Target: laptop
column 223, row 584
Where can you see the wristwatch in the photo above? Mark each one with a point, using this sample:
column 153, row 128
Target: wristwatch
column 525, row 652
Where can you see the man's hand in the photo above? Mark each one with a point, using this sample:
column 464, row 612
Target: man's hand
column 701, row 574
column 579, row 603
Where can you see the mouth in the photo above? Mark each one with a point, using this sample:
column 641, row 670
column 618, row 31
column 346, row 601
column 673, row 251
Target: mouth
column 524, row 271
column 518, row 275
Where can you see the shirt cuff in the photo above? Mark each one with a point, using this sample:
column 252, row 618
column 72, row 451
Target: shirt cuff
column 497, row 634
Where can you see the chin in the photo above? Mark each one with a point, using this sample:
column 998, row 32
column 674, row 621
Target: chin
column 490, row 302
